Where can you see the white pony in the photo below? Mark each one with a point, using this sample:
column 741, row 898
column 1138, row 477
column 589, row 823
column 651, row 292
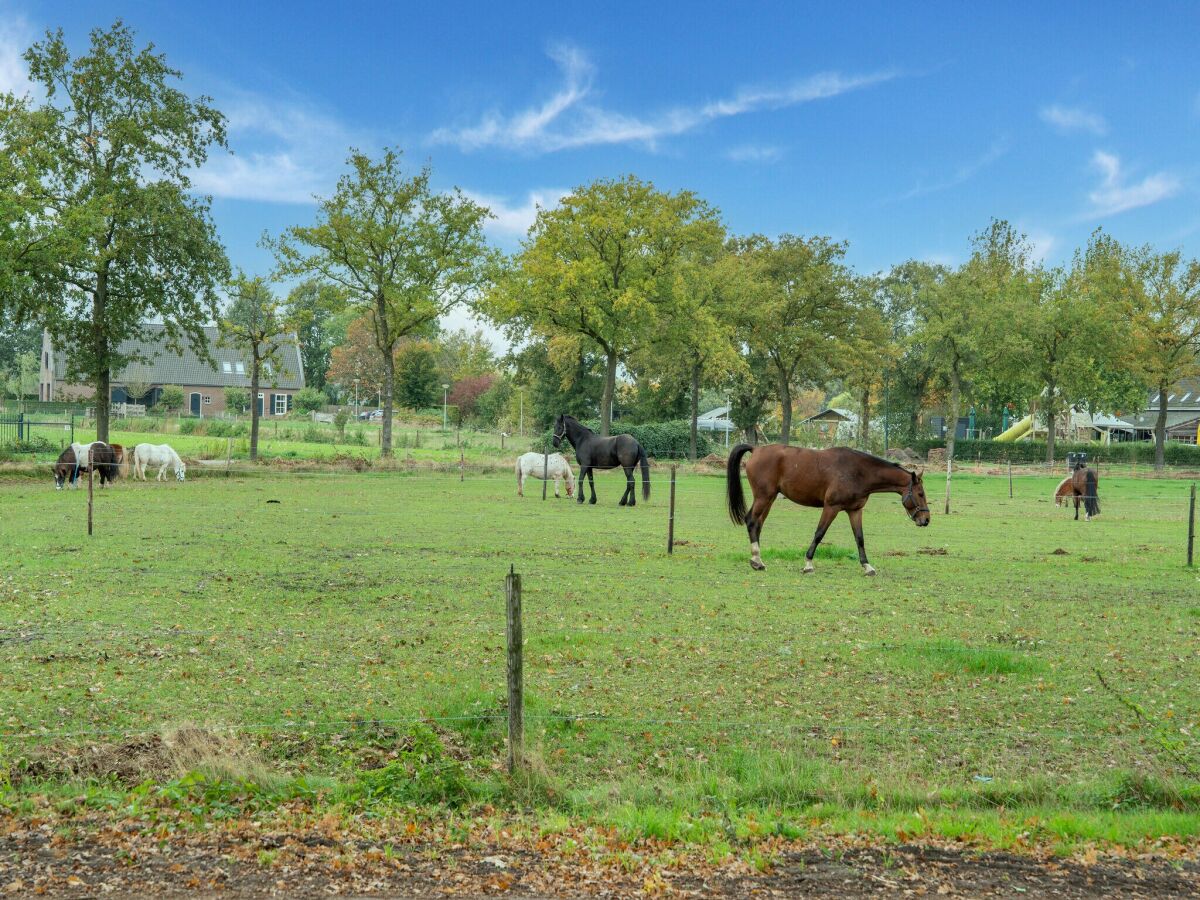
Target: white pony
column 535, row 464
column 161, row 455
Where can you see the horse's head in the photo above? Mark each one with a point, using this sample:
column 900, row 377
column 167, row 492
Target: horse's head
column 915, row 503
column 560, row 430
column 180, row 470
column 60, row 476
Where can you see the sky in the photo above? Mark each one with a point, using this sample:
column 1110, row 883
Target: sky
column 901, row 129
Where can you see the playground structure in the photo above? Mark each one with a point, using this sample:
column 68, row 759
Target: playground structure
column 1017, row 431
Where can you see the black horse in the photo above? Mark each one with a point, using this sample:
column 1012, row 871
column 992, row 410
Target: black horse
column 595, row 452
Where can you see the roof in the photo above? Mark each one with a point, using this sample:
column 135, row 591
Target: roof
column 721, row 412
column 1146, row 421
column 168, row 367
column 1183, row 395
column 843, row 415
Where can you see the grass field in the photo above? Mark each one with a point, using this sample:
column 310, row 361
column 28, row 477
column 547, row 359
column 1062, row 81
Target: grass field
column 676, row 696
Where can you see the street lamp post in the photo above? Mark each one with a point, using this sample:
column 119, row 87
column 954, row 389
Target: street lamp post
column 445, row 398
column 356, row 399
column 521, row 423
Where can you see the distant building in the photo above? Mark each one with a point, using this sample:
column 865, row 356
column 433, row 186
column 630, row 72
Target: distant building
column 833, row 424
column 203, row 383
column 1183, row 413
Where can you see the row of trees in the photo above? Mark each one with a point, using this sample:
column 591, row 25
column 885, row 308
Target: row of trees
column 620, row 287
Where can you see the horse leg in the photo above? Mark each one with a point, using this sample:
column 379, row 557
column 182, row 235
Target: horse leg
column 629, row 498
column 855, row 517
column 520, row 482
column 592, row 485
column 754, row 523
column 557, row 481
column 828, row 514
column 1076, row 507
column 583, row 472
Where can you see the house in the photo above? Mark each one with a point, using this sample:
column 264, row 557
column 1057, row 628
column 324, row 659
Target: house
column 715, row 420
column 1183, row 413
column 203, row 383
column 832, row 424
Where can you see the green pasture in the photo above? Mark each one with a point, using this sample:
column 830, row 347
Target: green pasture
column 664, row 693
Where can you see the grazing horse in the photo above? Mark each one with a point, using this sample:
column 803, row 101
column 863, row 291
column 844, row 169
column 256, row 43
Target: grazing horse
column 838, row 479
column 595, row 452
column 73, row 462
column 540, row 466
column 161, row 455
column 1080, row 485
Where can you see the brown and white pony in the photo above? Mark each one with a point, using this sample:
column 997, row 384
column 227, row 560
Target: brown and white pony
column 839, row 479
column 73, row 462
column 1080, row 485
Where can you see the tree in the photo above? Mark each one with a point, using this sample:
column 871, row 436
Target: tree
column 598, row 271
column 136, row 389
column 310, row 400
column 464, row 354
column 254, row 321
column 795, row 308
column 401, row 253
column 912, row 372
column 417, row 379
column 236, row 399
column 869, row 351
column 550, row 380
column 105, row 200
column 357, row 359
column 21, row 379
column 171, row 397
column 16, row 341
column 310, row 306
column 1166, row 323
column 464, row 395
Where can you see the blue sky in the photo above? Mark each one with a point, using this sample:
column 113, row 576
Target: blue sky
column 901, row 128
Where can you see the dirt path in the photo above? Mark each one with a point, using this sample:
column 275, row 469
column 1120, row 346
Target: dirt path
column 40, row 861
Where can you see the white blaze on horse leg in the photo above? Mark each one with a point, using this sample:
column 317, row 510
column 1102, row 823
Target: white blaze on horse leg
column 808, row 567
column 754, row 554
column 868, row 569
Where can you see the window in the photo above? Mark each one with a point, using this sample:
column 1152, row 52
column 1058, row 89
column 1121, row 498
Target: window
column 207, row 399
column 227, row 367
column 281, row 404
column 241, row 368
column 267, row 367
column 1183, row 399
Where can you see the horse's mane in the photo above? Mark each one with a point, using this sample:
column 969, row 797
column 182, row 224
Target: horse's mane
column 878, row 459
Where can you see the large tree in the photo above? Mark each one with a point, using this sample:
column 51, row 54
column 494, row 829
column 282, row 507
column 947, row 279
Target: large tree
column 109, row 233
column 400, row 252
column 254, row 322
column 1166, row 322
column 310, row 306
column 598, row 272
column 796, row 307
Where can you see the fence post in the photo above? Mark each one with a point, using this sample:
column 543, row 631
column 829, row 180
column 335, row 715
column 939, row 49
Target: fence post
column 228, row 454
column 516, row 672
column 20, row 427
column 90, row 473
column 72, row 428
column 671, row 517
column 462, row 466
column 1010, row 479
column 545, row 471
column 1191, row 523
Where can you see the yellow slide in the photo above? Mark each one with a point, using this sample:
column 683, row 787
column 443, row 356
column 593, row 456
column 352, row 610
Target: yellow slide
column 1017, row 431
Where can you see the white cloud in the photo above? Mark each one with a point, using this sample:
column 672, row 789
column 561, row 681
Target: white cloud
column 16, row 34
column 1115, row 196
column 1067, row 119
column 1042, row 244
column 284, row 151
column 513, row 221
column 962, row 174
column 754, row 153
column 569, row 119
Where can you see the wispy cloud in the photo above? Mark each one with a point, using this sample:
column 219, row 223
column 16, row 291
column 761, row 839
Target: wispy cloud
column 284, row 151
column 514, row 220
column 1069, row 119
column 962, row 174
column 1114, row 195
column 569, row 118
column 16, row 34
column 755, row 153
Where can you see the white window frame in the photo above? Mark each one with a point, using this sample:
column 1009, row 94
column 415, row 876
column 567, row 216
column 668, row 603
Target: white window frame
column 241, row 368
column 280, row 406
column 227, row 368
column 206, row 399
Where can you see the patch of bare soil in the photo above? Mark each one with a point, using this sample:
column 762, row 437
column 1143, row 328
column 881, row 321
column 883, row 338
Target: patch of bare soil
column 249, row 860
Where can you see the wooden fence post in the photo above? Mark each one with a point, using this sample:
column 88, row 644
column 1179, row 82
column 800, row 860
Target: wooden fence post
column 671, row 517
column 1010, row 479
column 228, row 454
column 462, row 466
column 516, row 672
column 1191, row 523
column 90, row 472
column 545, row 471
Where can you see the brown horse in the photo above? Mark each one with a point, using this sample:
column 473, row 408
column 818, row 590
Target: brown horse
column 107, row 459
column 1080, row 485
column 838, row 479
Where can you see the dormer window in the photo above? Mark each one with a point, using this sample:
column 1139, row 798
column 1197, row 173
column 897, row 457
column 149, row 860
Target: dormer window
column 227, row 367
column 241, row 368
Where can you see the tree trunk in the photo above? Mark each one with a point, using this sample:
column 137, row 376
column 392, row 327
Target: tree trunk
column 1051, row 421
column 100, row 357
column 610, row 390
column 864, row 428
column 1160, row 429
column 955, row 401
column 254, row 367
column 785, row 401
column 695, row 410
column 388, row 390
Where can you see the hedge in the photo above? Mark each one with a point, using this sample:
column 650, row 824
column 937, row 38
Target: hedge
column 662, row 440
column 1175, row 453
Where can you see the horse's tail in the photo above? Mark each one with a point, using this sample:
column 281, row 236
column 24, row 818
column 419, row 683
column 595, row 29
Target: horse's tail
column 735, row 499
column 1091, row 502
column 645, row 472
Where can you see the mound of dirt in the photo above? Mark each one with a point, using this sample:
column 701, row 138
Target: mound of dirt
column 904, row 455
column 713, row 459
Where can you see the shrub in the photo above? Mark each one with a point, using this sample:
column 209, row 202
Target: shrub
column 171, row 397
column 340, row 418
column 188, row 426
column 1142, row 452
column 310, row 400
column 237, row 399
column 662, row 440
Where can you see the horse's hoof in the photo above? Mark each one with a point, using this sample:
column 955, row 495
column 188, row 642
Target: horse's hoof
column 807, row 569
column 757, row 566
column 592, row 502
column 868, row 569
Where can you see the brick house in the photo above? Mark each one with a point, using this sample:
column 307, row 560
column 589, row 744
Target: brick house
column 203, row 383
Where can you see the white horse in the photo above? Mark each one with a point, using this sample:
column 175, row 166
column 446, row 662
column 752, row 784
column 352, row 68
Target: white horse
column 535, row 464
column 161, row 455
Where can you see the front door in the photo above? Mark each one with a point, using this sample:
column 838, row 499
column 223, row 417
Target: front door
column 195, row 404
